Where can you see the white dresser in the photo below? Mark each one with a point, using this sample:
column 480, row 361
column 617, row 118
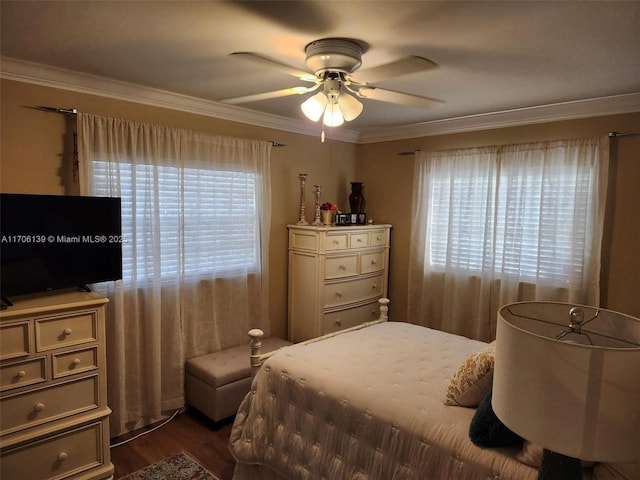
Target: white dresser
column 336, row 276
column 53, row 397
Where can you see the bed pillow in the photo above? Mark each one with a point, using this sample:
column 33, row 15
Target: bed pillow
column 486, row 429
column 473, row 379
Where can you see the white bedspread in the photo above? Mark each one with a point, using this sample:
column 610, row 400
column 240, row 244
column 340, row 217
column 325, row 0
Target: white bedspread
column 365, row 405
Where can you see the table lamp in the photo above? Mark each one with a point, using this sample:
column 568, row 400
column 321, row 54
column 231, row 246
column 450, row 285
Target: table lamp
column 567, row 378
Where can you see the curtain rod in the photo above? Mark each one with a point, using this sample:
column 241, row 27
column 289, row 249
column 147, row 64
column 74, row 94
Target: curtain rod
column 611, row 135
column 68, row 111
column 410, row 153
column 73, row 111
column 619, row 134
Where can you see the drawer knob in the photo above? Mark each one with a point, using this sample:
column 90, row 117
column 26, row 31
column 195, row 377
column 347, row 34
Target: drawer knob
column 373, row 262
column 339, row 322
column 75, row 363
column 374, row 287
column 336, row 242
column 22, row 373
column 359, row 240
column 339, row 293
column 67, row 331
column 62, row 456
column 38, row 407
column 343, row 267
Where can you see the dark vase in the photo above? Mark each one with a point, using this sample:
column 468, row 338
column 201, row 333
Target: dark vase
column 356, row 198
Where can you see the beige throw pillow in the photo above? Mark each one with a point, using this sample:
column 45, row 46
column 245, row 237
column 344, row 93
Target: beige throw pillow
column 473, row 379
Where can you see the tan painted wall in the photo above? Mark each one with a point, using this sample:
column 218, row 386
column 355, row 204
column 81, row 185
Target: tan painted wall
column 32, row 143
column 388, row 179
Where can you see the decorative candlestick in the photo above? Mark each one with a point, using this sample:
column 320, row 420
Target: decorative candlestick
column 303, row 218
column 317, row 221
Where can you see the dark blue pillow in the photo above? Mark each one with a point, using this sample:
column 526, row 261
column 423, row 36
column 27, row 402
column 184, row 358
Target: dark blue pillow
column 487, row 430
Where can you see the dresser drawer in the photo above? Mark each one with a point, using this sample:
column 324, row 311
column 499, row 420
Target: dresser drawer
column 336, row 321
column 62, row 331
column 338, row 267
column 372, row 262
column 342, row 293
column 359, row 240
column 303, row 240
column 58, row 457
column 48, row 404
column 378, row 238
column 336, row 242
column 19, row 374
column 69, row 363
column 14, row 340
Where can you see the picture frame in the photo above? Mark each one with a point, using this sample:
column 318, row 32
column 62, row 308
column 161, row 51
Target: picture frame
column 345, row 219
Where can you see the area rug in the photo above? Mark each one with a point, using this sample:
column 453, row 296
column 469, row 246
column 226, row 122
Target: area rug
column 176, row 467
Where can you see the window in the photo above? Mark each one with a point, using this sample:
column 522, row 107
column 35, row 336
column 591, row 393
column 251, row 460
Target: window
column 522, row 212
column 197, row 209
column 501, row 224
column 208, row 230
column 517, row 223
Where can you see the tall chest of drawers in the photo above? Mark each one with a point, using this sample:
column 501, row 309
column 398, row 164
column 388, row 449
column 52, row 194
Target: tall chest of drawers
column 53, row 392
column 336, row 276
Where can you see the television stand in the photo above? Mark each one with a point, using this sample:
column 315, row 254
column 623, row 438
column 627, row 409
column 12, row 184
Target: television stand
column 55, row 417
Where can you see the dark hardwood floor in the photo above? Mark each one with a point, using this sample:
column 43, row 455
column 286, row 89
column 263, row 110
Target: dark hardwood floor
column 189, row 432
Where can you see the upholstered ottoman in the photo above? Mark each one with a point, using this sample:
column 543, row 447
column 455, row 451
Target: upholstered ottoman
column 216, row 383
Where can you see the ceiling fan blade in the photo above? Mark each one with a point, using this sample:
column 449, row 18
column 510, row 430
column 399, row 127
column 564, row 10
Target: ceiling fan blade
column 269, row 62
column 269, row 95
column 403, row 66
column 301, row 15
column 391, row 96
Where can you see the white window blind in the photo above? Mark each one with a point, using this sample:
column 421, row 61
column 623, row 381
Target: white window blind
column 519, row 218
column 206, row 218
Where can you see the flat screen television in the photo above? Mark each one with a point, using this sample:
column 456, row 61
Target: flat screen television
column 52, row 242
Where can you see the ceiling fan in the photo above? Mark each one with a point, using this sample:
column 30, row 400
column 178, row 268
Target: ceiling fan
column 333, row 63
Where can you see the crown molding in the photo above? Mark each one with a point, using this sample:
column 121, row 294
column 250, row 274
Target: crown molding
column 48, row 76
column 29, row 72
column 593, row 107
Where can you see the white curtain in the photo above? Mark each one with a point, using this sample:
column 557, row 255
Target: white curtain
column 196, row 220
column 500, row 224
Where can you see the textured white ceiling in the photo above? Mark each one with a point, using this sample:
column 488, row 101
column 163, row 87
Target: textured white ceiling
column 491, row 56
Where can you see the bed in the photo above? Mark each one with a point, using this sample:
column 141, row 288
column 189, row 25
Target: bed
column 368, row 404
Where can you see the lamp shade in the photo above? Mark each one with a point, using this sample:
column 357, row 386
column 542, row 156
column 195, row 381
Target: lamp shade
column 313, row 107
column 574, row 391
column 349, row 106
column 332, row 115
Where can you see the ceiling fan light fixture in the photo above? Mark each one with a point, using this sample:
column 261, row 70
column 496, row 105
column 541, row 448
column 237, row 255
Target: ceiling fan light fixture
column 333, row 116
column 314, row 106
column 350, row 107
